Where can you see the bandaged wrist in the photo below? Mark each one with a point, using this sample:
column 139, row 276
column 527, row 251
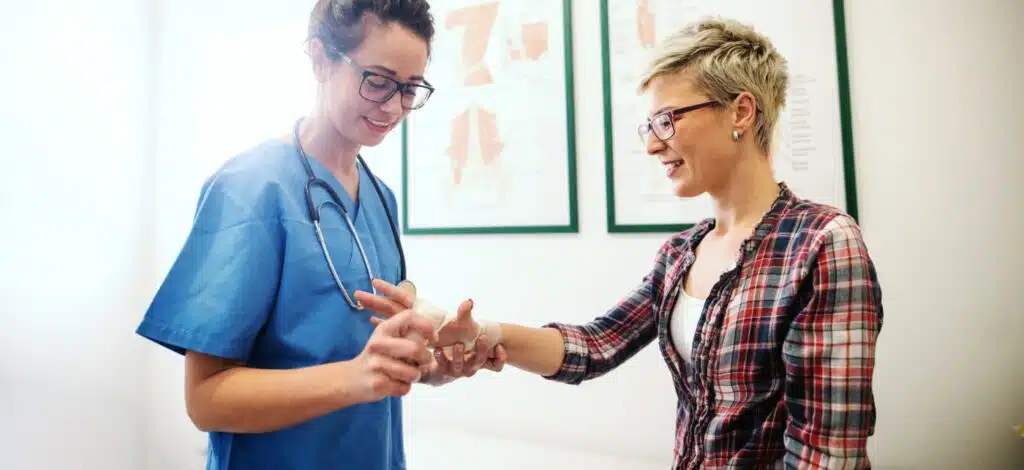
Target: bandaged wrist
column 492, row 330
column 431, row 312
column 440, row 318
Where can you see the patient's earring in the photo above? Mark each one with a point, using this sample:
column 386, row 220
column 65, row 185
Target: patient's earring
column 735, row 135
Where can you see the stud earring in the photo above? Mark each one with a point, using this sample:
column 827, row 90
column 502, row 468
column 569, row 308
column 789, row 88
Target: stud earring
column 735, row 135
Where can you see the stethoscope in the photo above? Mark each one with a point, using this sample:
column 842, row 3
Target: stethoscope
column 314, row 215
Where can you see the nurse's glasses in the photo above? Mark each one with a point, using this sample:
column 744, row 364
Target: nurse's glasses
column 380, row 88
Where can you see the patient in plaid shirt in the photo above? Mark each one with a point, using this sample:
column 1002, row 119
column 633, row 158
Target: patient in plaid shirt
column 767, row 314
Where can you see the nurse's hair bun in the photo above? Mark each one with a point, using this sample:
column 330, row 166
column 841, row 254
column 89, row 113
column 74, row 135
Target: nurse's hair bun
column 341, row 24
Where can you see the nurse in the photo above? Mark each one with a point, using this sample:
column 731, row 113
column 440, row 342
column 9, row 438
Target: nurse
column 284, row 369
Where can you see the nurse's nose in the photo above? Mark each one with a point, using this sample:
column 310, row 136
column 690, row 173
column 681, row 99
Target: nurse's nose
column 393, row 105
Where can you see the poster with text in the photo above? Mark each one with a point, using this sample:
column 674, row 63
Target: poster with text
column 808, row 149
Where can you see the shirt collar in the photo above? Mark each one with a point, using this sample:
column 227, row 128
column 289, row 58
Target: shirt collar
column 687, row 240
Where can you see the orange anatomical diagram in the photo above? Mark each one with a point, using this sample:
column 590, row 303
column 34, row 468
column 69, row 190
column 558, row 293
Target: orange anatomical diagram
column 478, row 21
column 486, row 135
column 644, row 23
column 458, row 147
column 535, row 42
column 487, row 130
column 475, row 128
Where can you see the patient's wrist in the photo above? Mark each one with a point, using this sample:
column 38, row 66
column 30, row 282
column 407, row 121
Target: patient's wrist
column 439, row 318
column 491, row 331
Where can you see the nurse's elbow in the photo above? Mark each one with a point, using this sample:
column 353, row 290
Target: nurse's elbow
column 200, row 372
column 199, row 410
column 200, row 420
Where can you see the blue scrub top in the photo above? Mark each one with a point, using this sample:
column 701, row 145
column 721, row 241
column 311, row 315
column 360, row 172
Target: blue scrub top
column 251, row 284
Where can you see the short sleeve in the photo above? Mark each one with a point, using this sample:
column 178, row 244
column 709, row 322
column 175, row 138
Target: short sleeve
column 222, row 287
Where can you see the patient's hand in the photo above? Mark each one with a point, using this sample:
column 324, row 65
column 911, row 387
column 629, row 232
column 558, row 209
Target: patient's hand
column 461, row 348
column 393, row 300
column 460, row 329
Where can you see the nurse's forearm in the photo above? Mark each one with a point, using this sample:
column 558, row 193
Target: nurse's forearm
column 537, row 350
column 244, row 400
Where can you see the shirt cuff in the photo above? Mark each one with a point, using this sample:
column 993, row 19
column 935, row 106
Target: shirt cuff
column 574, row 362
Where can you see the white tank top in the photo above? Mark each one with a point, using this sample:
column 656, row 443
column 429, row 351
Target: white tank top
column 682, row 325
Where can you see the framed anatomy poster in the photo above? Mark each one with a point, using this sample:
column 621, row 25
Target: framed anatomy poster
column 813, row 146
column 493, row 150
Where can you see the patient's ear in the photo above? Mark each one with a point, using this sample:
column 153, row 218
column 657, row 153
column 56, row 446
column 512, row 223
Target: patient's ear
column 744, row 112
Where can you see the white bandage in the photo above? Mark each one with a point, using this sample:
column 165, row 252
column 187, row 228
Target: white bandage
column 493, row 332
column 429, row 310
column 440, row 319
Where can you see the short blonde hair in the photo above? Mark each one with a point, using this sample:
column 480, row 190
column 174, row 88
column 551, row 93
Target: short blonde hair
column 724, row 58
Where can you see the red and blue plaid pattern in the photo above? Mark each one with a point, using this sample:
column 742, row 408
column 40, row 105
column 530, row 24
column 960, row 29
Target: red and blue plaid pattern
column 784, row 354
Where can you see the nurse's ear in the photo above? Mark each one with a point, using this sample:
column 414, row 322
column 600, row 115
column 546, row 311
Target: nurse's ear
column 318, row 59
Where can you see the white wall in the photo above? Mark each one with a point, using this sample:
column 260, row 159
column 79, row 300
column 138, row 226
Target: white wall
column 947, row 131
column 73, row 125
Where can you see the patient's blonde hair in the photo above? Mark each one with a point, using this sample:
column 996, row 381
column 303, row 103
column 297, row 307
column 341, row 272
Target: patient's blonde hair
column 724, row 58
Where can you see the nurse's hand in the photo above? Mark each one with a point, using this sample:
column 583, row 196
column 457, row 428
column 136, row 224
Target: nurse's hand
column 392, row 299
column 391, row 361
column 395, row 299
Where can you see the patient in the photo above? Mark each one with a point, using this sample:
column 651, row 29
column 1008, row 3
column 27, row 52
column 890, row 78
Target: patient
column 767, row 314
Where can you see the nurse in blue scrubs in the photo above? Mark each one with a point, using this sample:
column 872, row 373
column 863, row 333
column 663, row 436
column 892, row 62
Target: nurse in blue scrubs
column 283, row 368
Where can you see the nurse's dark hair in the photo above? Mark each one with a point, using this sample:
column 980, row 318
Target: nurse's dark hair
column 341, row 24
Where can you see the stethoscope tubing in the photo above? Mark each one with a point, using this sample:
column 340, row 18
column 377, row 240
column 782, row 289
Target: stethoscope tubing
column 314, row 215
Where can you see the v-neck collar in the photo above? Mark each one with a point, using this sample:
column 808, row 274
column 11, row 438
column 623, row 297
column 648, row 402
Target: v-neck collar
column 782, row 202
column 325, row 174
column 684, row 244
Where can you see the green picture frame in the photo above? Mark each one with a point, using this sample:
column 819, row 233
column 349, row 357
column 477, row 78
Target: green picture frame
column 572, row 224
column 845, row 120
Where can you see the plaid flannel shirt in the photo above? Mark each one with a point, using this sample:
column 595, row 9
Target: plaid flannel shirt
column 781, row 369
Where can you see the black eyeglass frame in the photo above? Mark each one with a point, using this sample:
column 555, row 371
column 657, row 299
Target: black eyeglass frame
column 399, row 87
